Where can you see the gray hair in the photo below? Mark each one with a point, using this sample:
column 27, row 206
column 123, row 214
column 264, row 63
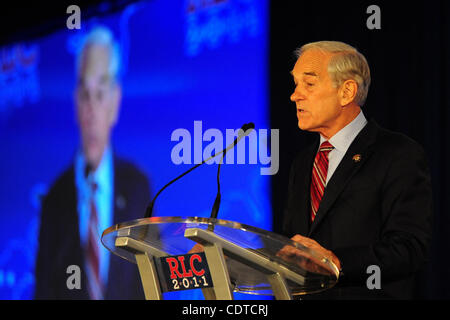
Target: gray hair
column 102, row 36
column 346, row 63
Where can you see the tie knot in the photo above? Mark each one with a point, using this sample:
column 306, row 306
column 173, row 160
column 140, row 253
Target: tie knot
column 326, row 147
column 89, row 175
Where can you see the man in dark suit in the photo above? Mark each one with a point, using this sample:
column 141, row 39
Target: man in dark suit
column 96, row 192
column 360, row 195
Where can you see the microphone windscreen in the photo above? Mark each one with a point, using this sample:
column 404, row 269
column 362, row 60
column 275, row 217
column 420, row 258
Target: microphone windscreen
column 248, row 126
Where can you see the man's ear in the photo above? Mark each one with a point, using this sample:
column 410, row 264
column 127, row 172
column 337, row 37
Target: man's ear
column 347, row 92
column 116, row 99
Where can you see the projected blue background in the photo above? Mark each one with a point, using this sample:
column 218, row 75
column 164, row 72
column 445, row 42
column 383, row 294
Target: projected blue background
column 181, row 63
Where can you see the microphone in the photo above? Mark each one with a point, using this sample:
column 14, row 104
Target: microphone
column 246, row 129
column 241, row 134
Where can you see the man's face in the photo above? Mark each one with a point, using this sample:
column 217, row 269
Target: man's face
column 97, row 99
column 318, row 106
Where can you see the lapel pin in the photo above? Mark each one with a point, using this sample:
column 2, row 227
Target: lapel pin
column 356, row 158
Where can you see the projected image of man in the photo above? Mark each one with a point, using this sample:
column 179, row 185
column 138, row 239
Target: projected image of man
column 98, row 190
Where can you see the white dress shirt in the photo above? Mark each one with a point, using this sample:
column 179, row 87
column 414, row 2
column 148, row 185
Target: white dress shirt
column 103, row 176
column 341, row 141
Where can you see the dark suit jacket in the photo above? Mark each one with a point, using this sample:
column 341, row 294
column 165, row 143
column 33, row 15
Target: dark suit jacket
column 59, row 239
column 376, row 211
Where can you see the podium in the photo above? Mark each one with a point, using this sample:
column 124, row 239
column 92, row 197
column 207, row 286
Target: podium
column 219, row 257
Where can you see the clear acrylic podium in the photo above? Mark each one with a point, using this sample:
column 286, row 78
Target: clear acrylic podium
column 241, row 258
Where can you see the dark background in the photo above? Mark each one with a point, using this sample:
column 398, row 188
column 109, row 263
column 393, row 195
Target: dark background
column 409, row 93
column 410, row 76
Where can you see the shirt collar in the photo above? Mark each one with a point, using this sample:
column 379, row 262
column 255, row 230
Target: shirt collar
column 101, row 176
column 342, row 140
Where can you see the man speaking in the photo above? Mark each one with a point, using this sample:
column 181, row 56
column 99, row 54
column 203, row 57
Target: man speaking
column 361, row 195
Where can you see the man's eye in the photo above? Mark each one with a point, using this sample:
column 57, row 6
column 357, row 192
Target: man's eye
column 309, row 84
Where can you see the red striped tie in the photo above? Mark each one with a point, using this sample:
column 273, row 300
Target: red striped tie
column 319, row 177
column 93, row 251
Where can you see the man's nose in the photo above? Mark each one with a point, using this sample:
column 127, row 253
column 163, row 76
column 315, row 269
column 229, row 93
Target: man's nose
column 297, row 95
column 86, row 112
column 90, row 100
column 87, row 109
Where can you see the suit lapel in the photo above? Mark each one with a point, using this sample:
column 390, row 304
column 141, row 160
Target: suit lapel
column 72, row 250
column 120, row 197
column 355, row 157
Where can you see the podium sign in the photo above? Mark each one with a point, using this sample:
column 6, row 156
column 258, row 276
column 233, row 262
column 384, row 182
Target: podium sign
column 184, row 272
column 235, row 258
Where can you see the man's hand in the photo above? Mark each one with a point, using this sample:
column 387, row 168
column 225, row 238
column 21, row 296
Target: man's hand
column 312, row 244
column 197, row 248
column 305, row 259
